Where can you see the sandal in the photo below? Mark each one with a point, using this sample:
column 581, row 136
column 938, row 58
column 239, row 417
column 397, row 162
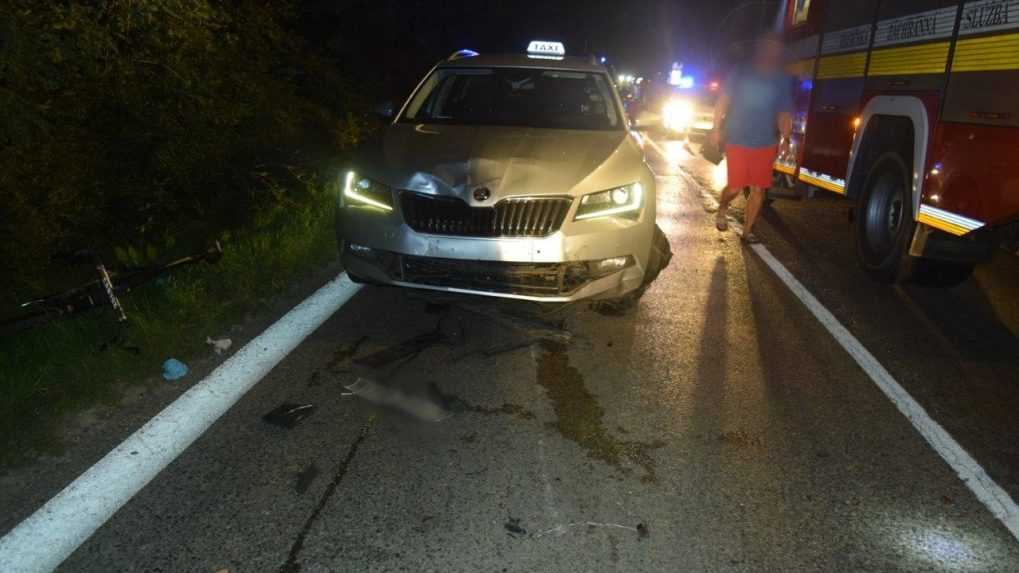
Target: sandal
column 749, row 239
column 721, row 221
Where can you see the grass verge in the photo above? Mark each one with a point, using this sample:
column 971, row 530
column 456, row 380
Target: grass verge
column 63, row 367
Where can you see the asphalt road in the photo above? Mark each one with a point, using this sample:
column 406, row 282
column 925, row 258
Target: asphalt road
column 718, row 427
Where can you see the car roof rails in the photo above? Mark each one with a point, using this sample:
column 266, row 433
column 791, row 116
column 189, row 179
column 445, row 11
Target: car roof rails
column 461, row 54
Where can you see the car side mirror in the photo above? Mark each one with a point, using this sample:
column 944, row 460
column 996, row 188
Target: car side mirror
column 645, row 120
column 385, row 110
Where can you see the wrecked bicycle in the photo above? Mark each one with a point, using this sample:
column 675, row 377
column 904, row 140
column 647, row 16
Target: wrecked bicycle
column 103, row 291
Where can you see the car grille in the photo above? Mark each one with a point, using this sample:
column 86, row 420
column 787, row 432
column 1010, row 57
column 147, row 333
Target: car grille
column 530, row 217
column 536, row 279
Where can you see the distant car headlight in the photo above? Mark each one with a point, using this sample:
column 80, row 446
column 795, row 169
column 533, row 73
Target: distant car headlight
column 362, row 192
column 678, row 115
column 619, row 201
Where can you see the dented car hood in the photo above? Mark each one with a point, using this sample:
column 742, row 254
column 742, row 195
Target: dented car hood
column 509, row 161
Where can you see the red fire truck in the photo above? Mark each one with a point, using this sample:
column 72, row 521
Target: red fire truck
column 910, row 109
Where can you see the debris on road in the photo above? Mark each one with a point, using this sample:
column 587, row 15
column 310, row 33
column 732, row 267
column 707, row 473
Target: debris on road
column 220, row 345
column 289, row 415
column 420, row 408
column 174, row 369
column 514, row 529
column 306, row 478
column 496, row 350
column 641, row 530
column 404, row 349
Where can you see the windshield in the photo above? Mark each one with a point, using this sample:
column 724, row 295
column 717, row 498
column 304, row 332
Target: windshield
column 515, row 96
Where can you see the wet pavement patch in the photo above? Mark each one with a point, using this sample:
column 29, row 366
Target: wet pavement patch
column 497, row 350
column 456, row 404
column 340, row 361
column 741, row 439
column 407, row 348
column 580, row 419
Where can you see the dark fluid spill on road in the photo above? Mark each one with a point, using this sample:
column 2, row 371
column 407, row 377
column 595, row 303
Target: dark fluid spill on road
column 340, row 362
column 580, row 419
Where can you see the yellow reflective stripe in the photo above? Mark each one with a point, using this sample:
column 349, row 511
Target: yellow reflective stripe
column 842, row 66
column 803, row 69
column 783, row 168
column 999, row 52
column 942, row 225
column 827, row 185
column 911, row 60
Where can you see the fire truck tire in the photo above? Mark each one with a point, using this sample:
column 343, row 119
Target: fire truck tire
column 884, row 221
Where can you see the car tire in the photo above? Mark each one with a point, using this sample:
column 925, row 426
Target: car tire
column 661, row 256
column 884, row 223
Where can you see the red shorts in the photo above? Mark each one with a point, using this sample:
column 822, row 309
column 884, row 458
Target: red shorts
column 750, row 166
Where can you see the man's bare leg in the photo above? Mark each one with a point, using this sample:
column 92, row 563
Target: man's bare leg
column 754, row 204
column 728, row 194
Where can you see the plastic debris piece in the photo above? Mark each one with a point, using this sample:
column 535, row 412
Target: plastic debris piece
column 220, row 345
column 174, row 369
column 513, row 527
column 642, row 531
column 420, row 408
column 289, row 415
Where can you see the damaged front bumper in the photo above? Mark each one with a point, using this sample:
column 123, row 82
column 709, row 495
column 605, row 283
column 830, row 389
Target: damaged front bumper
column 596, row 259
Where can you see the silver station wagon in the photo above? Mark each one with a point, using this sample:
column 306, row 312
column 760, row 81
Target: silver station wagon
column 507, row 176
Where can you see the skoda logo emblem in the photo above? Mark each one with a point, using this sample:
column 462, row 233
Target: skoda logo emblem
column 482, row 194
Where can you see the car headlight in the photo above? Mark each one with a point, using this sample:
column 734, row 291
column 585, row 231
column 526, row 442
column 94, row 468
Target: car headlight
column 362, row 192
column 678, row 114
column 619, row 201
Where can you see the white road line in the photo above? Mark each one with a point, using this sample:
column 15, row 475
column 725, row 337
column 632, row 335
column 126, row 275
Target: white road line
column 51, row 534
column 996, row 499
column 976, row 479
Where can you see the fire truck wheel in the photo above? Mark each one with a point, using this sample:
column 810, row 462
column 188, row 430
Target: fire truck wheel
column 884, row 220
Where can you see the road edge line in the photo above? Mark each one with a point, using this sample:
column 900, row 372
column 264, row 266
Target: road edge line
column 994, row 498
column 47, row 537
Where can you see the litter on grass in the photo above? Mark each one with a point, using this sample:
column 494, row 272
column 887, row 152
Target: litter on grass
column 220, row 345
column 174, row 369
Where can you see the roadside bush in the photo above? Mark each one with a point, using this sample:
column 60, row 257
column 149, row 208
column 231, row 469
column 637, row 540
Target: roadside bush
column 143, row 127
column 146, row 129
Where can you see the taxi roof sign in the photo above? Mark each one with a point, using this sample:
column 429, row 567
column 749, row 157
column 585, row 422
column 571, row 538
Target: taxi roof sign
column 543, row 49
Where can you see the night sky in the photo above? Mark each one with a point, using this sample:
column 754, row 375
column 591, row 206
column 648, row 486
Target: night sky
column 393, row 42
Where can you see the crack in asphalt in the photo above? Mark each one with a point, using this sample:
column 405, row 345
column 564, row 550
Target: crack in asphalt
column 292, row 565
